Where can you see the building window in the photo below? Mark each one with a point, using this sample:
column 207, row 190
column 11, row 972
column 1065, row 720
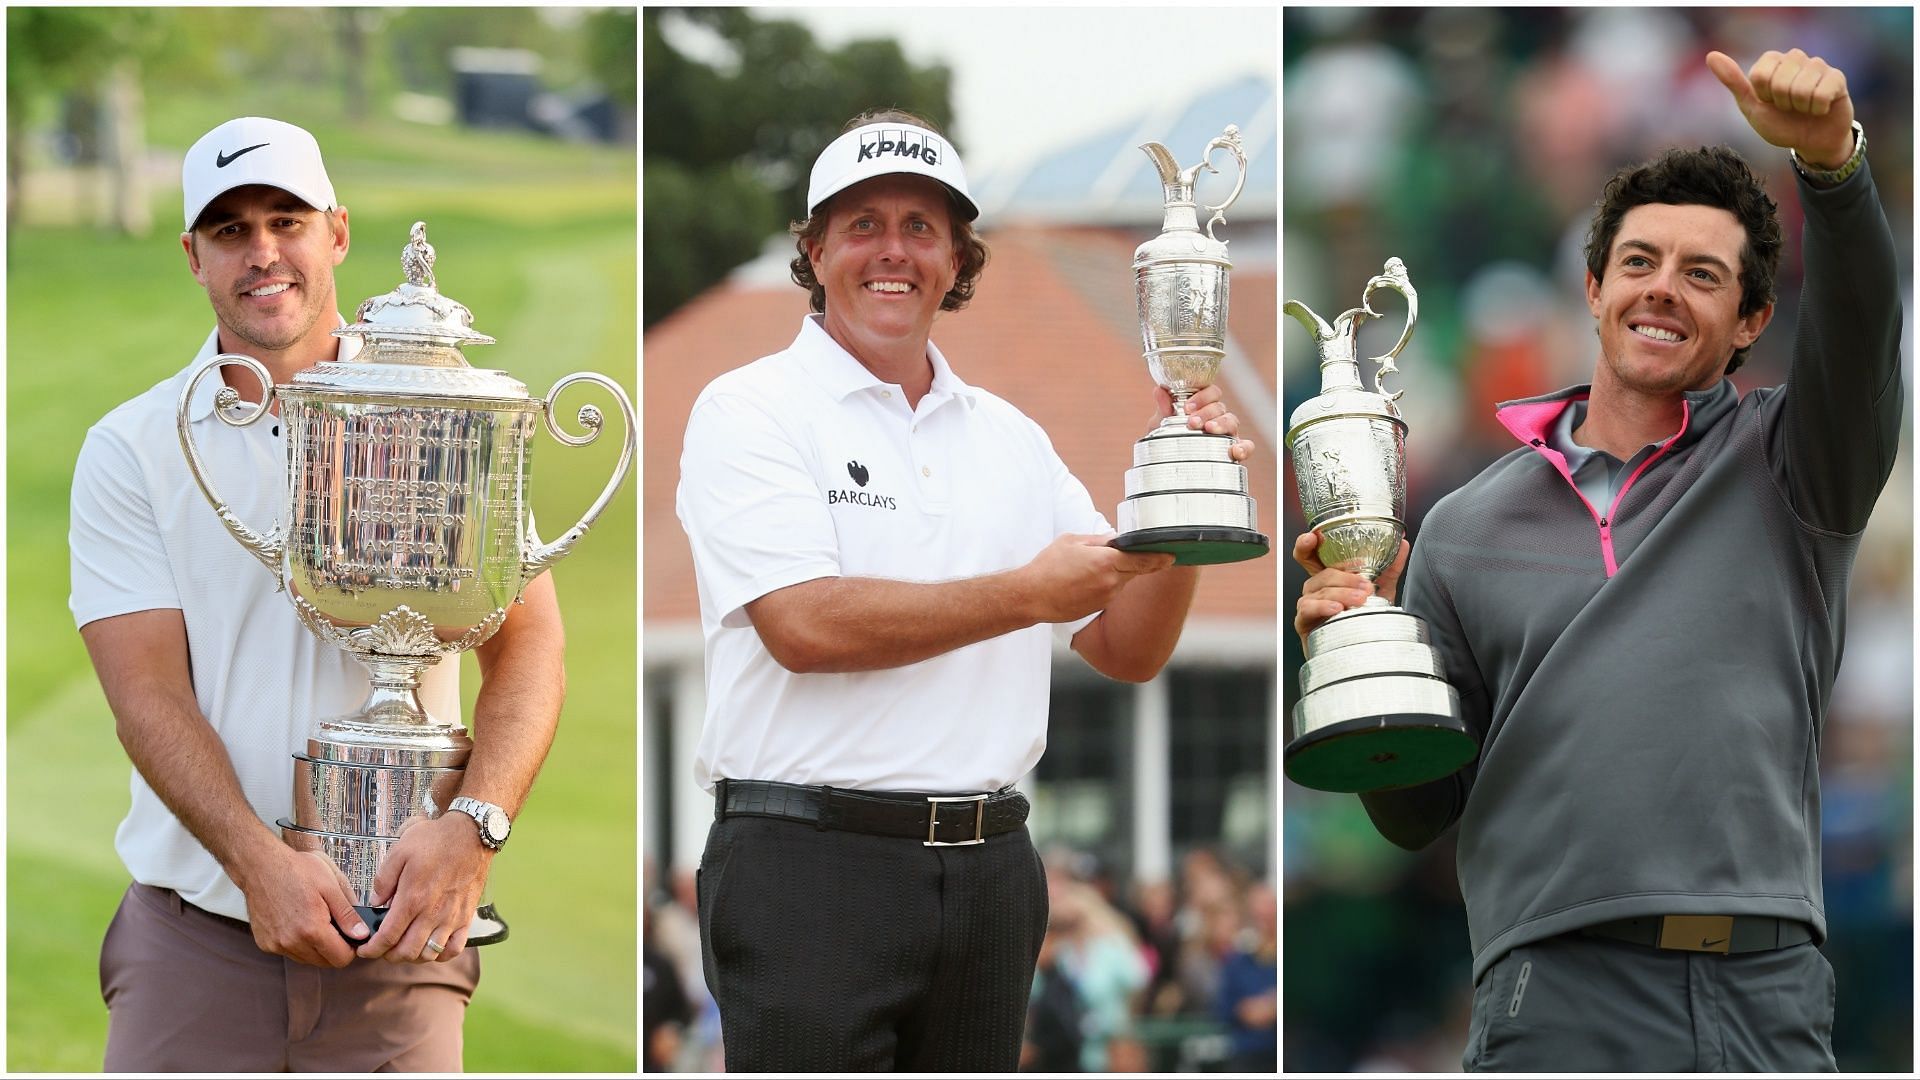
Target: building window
column 1087, row 770
column 657, row 735
column 1221, row 759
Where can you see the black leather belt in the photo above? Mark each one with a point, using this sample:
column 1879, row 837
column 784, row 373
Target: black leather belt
column 934, row 820
column 1706, row 933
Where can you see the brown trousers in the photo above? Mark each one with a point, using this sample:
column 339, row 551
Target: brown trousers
column 189, row 991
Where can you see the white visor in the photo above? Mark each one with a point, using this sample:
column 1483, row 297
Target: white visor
column 881, row 149
column 254, row 150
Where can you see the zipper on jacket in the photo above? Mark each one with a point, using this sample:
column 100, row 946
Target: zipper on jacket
column 1604, row 523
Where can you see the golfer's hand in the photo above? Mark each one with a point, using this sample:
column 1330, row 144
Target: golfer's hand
column 431, row 884
column 1079, row 575
column 1207, row 412
column 295, row 899
column 1795, row 101
column 1331, row 591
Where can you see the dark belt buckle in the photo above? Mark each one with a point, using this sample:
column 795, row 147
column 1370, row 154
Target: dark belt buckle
column 979, row 820
column 1697, row 933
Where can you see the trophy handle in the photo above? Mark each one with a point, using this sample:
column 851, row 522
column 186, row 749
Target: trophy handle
column 266, row 548
column 1393, row 277
column 1229, row 140
column 543, row 558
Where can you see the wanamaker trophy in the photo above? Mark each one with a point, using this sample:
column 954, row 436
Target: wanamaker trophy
column 406, row 538
column 1375, row 709
column 1185, row 494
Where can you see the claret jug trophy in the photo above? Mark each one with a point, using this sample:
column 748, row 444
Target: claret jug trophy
column 1185, row 494
column 1375, row 709
column 406, row 539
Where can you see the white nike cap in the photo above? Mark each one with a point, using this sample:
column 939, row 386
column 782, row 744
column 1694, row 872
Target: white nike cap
column 254, row 150
column 884, row 148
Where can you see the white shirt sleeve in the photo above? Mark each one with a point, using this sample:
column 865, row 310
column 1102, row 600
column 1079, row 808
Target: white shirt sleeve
column 753, row 513
column 117, row 562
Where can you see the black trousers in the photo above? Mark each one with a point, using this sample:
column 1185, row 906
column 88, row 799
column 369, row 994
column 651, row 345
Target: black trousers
column 833, row 951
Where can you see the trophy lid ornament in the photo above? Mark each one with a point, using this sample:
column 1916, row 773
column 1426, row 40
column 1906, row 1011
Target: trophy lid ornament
column 416, row 259
column 415, row 311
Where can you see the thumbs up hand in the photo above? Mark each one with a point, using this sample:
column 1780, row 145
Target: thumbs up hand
column 1793, row 100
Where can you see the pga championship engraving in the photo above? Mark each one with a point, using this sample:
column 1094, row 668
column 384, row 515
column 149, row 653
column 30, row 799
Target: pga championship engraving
column 1375, row 710
column 406, row 541
column 1185, row 494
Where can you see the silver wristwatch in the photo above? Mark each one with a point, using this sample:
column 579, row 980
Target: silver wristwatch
column 493, row 821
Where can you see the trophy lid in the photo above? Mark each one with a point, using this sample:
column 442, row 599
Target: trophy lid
column 415, row 310
column 411, row 343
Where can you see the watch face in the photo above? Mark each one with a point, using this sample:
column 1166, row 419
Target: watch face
column 497, row 824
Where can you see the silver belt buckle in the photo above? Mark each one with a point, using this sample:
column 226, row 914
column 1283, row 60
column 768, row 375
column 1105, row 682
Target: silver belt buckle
column 979, row 820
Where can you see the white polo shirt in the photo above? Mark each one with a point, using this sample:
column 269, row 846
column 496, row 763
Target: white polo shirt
column 143, row 537
column 804, row 465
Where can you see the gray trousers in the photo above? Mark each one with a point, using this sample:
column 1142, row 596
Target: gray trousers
column 189, row 991
column 1590, row 1005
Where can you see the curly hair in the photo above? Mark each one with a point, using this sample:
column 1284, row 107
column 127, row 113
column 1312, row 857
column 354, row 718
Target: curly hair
column 1710, row 176
column 967, row 243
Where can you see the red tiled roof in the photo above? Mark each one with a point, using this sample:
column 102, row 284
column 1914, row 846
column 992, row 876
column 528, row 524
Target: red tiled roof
column 1051, row 329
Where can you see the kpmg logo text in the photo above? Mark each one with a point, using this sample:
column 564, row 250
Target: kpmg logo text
column 902, row 142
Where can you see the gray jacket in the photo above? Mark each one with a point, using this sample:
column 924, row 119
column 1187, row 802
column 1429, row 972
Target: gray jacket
column 1649, row 680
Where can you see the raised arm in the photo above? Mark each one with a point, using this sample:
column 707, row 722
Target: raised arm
column 1840, row 423
column 294, row 899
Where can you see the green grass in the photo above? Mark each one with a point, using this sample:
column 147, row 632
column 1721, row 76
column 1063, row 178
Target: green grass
column 538, row 240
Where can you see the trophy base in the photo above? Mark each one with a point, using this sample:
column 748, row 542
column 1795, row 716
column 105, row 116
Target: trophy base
column 1196, row 545
column 1375, row 710
column 1375, row 753
column 359, row 857
column 487, row 927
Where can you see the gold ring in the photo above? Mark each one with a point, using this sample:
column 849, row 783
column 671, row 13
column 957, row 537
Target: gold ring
column 434, row 945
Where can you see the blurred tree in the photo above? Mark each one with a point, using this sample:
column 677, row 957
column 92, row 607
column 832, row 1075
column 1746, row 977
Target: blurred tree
column 79, row 78
column 353, row 26
column 97, row 62
column 731, row 135
column 610, row 34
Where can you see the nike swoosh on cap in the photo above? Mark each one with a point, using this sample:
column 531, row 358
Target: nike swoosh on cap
column 221, row 161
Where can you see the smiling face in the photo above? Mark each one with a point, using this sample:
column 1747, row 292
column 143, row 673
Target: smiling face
column 1669, row 306
column 266, row 260
column 885, row 260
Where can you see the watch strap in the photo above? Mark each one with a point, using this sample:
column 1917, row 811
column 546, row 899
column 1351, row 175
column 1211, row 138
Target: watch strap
column 1834, row 177
column 482, row 813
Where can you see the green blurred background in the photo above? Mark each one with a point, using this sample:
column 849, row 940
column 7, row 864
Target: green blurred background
column 535, row 231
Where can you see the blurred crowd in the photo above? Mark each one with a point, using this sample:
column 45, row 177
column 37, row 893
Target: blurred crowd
column 1472, row 143
column 1133, row 976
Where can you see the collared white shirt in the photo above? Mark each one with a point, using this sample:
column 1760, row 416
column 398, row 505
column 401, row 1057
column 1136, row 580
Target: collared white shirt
column 143, row 537
column 805, row 465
